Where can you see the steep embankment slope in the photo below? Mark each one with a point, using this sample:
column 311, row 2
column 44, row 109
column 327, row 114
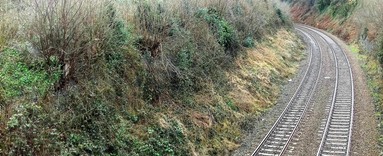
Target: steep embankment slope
column 100, row 77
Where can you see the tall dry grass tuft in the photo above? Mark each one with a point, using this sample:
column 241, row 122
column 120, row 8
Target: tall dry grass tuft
column 9, row 24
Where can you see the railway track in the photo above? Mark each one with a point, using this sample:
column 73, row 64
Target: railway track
column 277, row 139
column 336, row 139
column 337, row 129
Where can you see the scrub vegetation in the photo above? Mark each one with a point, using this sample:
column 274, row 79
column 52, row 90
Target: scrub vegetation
column 147, row 77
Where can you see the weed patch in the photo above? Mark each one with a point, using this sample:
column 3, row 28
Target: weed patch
column 22, row 79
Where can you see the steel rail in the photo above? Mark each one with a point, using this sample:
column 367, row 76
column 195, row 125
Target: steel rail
column 329, row 39
column 310, row 97
column 294, row 97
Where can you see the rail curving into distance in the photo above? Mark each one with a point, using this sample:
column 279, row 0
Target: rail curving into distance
column 336, row 138
column 277, row 139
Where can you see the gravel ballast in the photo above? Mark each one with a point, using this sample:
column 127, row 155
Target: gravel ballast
column 306, row 140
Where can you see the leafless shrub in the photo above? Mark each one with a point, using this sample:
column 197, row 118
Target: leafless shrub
column 69, row 33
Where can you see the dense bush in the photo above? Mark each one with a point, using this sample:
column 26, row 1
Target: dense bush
column 337, row 8
column 73, row 34
column 323, row 4
column 191, row 57
column 225, row 33
column 94, row 76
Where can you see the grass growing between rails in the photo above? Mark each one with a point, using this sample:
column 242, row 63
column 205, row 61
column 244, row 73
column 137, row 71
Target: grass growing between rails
column 138, row 77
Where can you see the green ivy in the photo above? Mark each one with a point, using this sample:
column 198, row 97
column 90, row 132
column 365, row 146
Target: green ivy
column 249, row 42
column 164, row 141
column 24, row 131
column 119, row 37
column 18, row 78
column 225, row 33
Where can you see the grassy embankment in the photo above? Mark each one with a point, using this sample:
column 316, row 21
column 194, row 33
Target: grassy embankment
column 359, row 23
column 138, row 78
